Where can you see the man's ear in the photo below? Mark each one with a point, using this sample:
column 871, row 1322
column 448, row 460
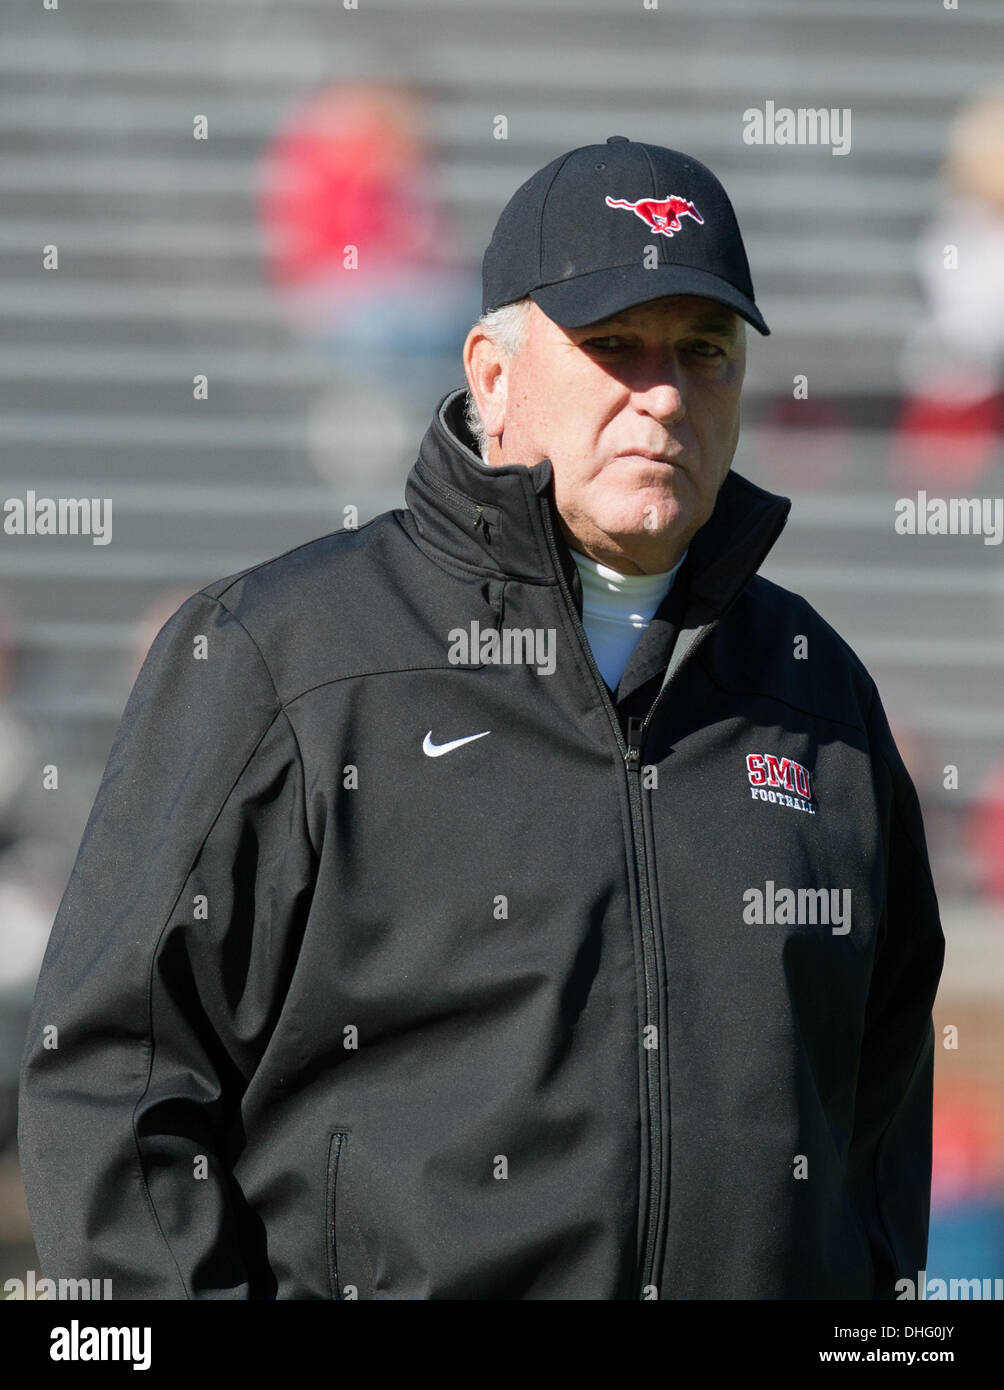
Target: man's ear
column 486, row 369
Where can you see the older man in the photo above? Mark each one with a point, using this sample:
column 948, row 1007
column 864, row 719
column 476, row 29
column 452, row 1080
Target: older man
column 516, row 897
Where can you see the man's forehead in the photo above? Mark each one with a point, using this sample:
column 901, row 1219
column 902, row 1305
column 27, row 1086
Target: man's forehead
column 692, row 310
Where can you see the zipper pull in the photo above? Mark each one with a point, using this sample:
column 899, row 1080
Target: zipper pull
column 480, row 520
column 633, row 754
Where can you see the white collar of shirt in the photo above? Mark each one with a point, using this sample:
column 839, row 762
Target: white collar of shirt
column 616, row 609
column 631, row 598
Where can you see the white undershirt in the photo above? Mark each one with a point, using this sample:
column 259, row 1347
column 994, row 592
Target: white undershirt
column 616, row 609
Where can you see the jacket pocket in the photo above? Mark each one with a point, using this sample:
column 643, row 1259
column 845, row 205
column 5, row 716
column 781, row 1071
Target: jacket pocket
column 334, row 1217
column 351, row 1271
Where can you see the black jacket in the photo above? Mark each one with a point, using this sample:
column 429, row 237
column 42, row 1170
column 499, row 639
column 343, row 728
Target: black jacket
column 337, row 1016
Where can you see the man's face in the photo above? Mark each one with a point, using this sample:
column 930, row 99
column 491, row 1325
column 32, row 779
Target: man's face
column 661, row 379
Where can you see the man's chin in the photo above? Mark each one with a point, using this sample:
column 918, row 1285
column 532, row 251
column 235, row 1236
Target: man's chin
column 660, row 524
column 652, row 551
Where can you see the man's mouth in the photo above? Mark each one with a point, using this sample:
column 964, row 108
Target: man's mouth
column 650, row 455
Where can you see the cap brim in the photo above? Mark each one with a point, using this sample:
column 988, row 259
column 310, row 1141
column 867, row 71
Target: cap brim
column 588, row 298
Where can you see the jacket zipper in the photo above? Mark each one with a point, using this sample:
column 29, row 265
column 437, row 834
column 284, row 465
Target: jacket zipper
column 631, row 753
column 637, row 729
column 471, row 509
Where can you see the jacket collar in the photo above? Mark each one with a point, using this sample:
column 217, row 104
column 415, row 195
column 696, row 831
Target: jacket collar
column 495, row 519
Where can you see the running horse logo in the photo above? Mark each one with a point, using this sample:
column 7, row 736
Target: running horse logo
column 661, row 214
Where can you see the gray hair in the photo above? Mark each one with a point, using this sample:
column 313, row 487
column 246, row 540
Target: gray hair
column 507, row 328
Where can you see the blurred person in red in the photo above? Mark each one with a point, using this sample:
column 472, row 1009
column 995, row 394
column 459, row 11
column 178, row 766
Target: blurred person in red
column 953, row 363
column 359, row 247
column 985, row 835
column 967, row 1210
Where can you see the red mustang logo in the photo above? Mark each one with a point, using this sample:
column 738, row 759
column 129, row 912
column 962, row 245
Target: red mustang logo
column 661, row 214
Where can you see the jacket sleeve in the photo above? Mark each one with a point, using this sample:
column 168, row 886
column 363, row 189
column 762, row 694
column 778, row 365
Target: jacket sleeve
column 164, row 972
column 889, row 1161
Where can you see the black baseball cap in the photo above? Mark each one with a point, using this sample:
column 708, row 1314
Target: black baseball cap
column 578, row 236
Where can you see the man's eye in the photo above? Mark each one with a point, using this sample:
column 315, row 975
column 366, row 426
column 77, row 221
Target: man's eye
column 612, row 342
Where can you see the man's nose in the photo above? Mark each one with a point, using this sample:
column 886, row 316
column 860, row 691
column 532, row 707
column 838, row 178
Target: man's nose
column 659, row 392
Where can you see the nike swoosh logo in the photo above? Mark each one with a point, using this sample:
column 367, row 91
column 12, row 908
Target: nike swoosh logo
column 436, row 750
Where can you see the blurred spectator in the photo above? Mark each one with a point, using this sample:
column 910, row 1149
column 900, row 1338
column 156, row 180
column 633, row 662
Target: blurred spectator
column 953, row 365
column 966, row 1148
column 30, row 883
column 16, row 754
column 363, row 259
column 967, row 1213
column 985, row 833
